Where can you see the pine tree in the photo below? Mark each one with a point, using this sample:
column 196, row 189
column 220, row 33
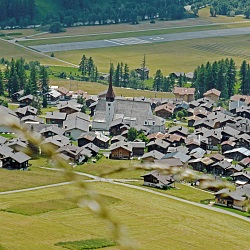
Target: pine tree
column 158, row 80
column 222, row 79
column 44, row 80
column 83, row 65
column 28, row 88
column 33, row 80
column 208, row 77
column 143, row 68
column 180, row 81
column 215, row 74
column 13, row 81
column 201, row 84
column 231, row 72
column 166, row 84
column 243, row 77
column 90, row 66
column 125, row 78
column 45, row 102
column 21, row 72
column 117, row 76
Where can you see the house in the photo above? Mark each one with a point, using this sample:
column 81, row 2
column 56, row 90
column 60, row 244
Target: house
column 17, row 144
column 27, row 100
column 245, row 162
column 69, row 107
column 241, row 178
column 165, row 110
column 121, row 150
column 237, row 153
column 238, row 199
column 17, row 95
column 115, row 127
column 18, row 160
column 159, row 145
column 137, row 148
column 152, row 156
column 55, row 118
column 93, row 148
column 65, row 95
column 158, row 180
column 51, row 130
column 72, row 151
column 53, row 143
column 213, row 94
column 75, row 127
column 32, row 119
column 233, row 105
column 25, row 111
column 117, row 138
column 179, row 130
column 52, row 97
column 178, row 155
column 219, row 168
column 187, row 94
column 97, row 138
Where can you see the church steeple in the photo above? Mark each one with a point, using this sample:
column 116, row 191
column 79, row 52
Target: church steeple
column 110, row 96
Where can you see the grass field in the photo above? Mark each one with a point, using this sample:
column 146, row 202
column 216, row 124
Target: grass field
column 9, row 51
column 170, row 56
column 12, row 180
column 93, row 88
column 152, row 221
column 130, row 34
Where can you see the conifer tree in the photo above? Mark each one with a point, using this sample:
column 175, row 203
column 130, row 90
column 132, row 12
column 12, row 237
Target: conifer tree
column 44, row 80
column 33, row 80
column 125, row 77
column 231, row 72
column 243, row 77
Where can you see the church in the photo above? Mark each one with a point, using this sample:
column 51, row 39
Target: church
column 135, row 112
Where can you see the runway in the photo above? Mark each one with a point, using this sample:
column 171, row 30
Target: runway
column 140, row 40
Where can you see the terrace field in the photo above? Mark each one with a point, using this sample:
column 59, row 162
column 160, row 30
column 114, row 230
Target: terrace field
column 153, row 222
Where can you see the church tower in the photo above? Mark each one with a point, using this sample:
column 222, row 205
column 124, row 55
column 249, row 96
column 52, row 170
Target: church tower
column 110, row 98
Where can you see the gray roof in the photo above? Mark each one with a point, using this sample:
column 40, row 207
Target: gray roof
column 54, row 93
column 183, row 157
column 241, row 150
column 162, row 178
column 159, row 142
column 76, row 123
column 20, row 157
column 121, row 144
column 80, row 115
column 155, row 154
column 32, row 118
column 31, row 97
column 56, row 115
column 92, row 147
column 137, row 144
column 26, row 109
column 52, row 128
column 5, row 150
column 2, row 139
column 172, row 162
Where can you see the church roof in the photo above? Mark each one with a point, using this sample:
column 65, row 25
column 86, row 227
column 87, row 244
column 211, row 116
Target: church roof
column 110, row 96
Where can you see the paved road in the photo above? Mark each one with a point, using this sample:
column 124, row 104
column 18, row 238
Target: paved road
column 121, row 182
column 141, row 40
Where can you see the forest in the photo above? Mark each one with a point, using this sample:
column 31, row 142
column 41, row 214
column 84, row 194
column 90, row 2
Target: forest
column 22, row 13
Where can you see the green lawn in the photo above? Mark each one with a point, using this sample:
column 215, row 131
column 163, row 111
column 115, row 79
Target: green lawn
column 233, row 210
column 153, row 222
column 94, row 88
column 104, row 166
column 16, row 179
column 9, row 51
column 169, row 56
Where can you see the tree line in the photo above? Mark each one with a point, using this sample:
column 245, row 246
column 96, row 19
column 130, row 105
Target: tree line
column 16, row 77
column 115, row 11
column 16, row 12
column 223, row 76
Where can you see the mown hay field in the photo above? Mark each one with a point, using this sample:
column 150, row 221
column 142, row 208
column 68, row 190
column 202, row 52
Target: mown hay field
column 154, row 222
